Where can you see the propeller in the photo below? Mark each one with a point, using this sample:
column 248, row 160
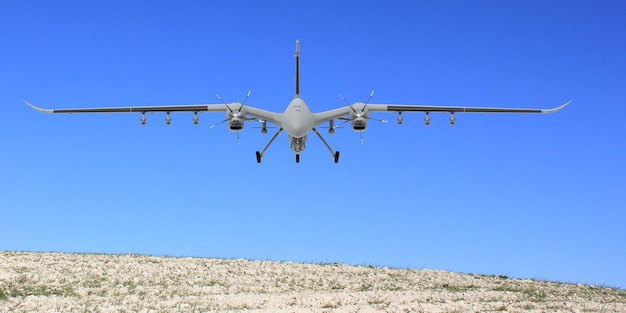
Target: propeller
column 233, row 113
column 242, row 104
column 364, row 106
column 350, row 105
column 360, row 113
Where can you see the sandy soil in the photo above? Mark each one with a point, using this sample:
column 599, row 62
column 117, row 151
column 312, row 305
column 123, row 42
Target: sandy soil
column 55, row 282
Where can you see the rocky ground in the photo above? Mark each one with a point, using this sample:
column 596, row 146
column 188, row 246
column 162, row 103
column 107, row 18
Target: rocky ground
column 55, row 282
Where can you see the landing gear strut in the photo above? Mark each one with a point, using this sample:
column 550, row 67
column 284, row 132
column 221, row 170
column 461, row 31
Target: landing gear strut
column 259, row 155
column 335, row 154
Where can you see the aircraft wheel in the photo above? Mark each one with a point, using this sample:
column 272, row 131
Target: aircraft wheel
column 336, row 156
column 297, row 158
column 258, row 157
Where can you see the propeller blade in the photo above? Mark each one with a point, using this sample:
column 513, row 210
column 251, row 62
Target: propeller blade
column 213, row 126
column 348, row 103
column 224, row 102
column 246, row 99
column 368, row 100
column 370, row 97
column 377, row 120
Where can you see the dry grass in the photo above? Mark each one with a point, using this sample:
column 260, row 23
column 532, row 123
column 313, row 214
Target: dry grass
column 55, row 282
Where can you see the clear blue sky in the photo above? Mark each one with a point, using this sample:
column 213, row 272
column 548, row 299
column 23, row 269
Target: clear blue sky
column 535, row 196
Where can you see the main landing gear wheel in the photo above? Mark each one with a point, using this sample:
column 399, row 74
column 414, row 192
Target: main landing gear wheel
column 335, row 154
column 297, row 158
column 259, row 155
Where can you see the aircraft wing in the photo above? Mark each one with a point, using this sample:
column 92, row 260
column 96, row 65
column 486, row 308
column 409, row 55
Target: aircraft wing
column 140, row 109
column 195, row 108
column 454, row 109
column 347, row 110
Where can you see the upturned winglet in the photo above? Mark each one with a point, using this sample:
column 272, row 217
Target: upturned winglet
column 38, row 108
column 557, row 108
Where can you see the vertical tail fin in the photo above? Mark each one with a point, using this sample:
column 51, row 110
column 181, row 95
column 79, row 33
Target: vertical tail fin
column 297, row 78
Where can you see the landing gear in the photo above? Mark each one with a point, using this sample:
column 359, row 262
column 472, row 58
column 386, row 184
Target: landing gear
column 259, row 155
column 335, row 154
column 299, row 142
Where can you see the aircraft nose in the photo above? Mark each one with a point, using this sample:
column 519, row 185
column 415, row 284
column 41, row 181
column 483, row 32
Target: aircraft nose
column 297, row 120
column 297, row 128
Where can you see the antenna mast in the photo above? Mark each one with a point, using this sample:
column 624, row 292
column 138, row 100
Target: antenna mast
column 297, row 56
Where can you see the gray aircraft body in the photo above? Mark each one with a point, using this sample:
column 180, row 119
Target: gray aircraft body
column 297, row 120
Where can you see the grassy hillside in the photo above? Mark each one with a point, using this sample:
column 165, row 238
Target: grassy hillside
column 55, row 282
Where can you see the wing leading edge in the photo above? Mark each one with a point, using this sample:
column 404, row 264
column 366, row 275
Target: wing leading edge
column 272, row 117
column 343, row 111
column 425, row 108
column 139, row 109
column 322, row 117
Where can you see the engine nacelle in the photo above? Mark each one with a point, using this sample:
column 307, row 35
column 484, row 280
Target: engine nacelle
column 359, row 117
column 359, row 124
column 236, row 119
column 235, row 124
